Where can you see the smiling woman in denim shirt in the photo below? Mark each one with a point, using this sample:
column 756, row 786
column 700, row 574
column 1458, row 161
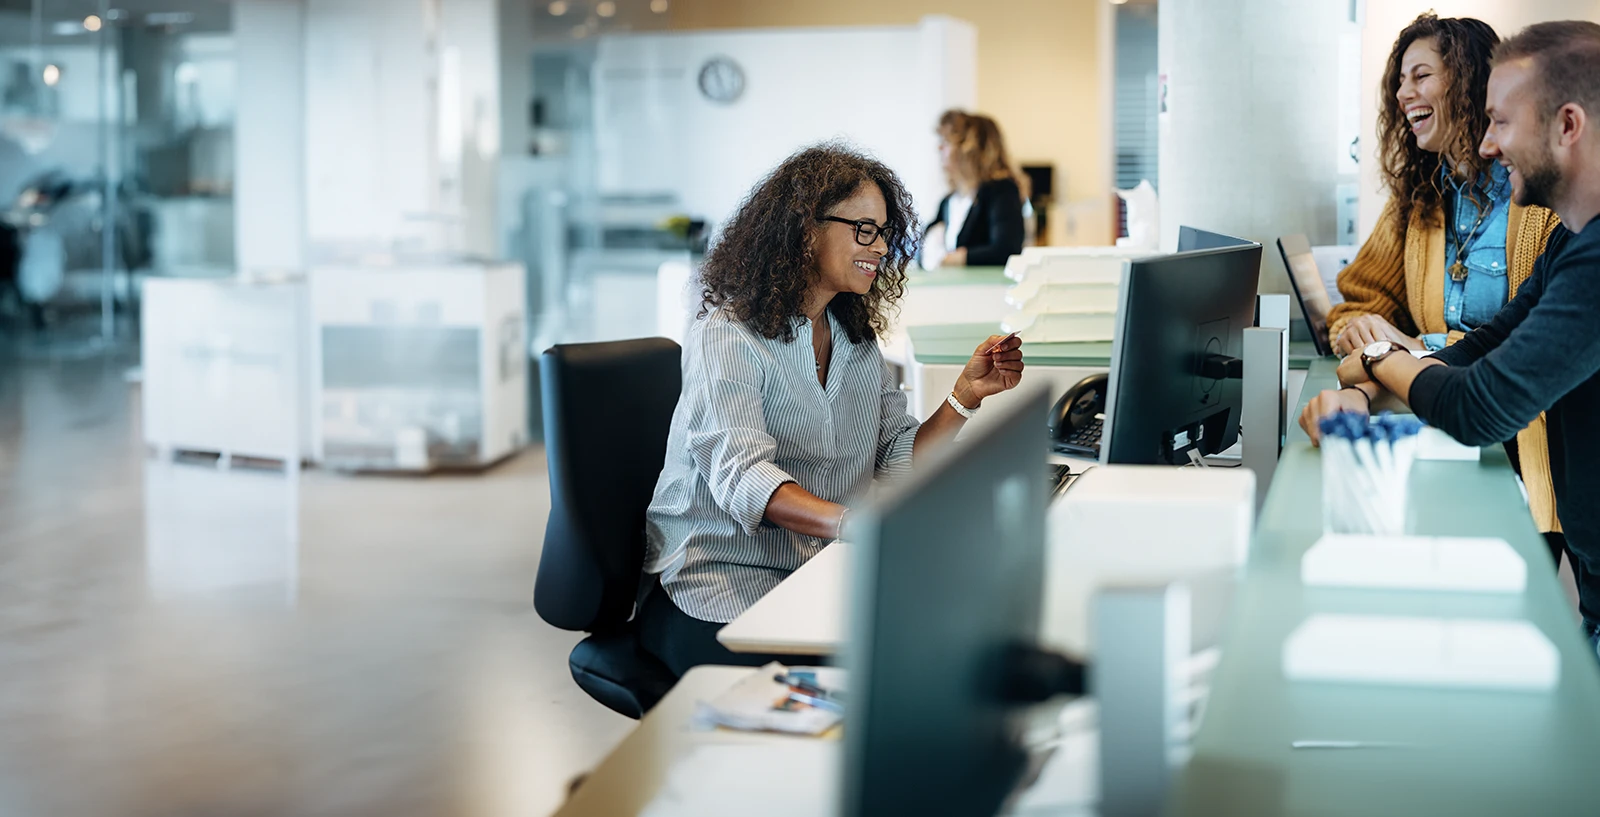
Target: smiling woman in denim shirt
column 1450, row 248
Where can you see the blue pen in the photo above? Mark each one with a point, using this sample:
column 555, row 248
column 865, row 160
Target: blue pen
column 812, row 700
column 800, row 683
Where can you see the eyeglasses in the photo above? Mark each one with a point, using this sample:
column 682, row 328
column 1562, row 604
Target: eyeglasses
column 866, row 231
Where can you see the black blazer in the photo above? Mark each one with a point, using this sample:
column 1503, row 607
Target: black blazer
column 993, row 229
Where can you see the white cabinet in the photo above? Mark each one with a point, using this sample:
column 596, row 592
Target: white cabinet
column 225, row 363
column 418, row 367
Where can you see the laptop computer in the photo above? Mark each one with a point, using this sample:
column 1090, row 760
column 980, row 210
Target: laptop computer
column 1309, row 288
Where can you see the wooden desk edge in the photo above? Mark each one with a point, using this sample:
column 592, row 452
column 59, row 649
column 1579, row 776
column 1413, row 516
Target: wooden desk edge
column 633, row 773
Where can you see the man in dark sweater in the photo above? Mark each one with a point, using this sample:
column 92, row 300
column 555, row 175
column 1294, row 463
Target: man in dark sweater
column 1541, row 353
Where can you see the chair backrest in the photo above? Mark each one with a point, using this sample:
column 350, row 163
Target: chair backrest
column 607, row 410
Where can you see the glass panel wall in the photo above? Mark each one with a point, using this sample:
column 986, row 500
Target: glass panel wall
column 116, row 162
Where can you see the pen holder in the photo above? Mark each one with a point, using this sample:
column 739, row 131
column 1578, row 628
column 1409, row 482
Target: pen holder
column 1366, row 467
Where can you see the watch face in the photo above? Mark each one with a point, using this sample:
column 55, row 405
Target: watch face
column 1378, row 348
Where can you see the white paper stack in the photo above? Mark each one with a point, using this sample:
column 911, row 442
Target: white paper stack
column 1425, row 652
column 1473, row 565
column 1067, row 298
column 1062, row 327
column 1068, row 272
column 1433, row 444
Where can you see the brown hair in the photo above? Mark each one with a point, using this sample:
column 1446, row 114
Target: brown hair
column 980, row 149
column 1566, row 56
column 765, row 262
column 1412, row 174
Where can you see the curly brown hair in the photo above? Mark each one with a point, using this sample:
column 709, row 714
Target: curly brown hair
column 765, row 260
column 1412, row 174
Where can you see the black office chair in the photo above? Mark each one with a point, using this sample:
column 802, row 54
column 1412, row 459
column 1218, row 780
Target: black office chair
column 607, row 410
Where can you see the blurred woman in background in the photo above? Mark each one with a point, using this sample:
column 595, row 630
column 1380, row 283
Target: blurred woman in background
column 980, row 223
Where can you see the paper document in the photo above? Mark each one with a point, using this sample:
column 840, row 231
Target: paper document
column 809, row 701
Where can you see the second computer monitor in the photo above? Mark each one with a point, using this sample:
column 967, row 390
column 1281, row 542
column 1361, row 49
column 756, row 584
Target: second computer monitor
column 1194, row 238
column 947, row 584
column 1176, row 355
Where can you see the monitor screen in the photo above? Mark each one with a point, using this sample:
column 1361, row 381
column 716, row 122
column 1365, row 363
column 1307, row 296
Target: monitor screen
column 1309, row 288
column 948, row 579
column 1176, row 355
column 1194, row 238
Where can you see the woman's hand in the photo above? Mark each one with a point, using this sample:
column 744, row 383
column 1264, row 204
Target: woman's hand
column 990, row 372
column 1329, row 403
column 1368, row 329
column 955, row 258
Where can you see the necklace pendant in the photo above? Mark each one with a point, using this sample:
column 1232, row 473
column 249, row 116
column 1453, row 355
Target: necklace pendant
column 1458, row 272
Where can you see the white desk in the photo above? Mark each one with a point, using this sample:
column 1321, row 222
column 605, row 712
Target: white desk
column 638, row 770
column 629, row 778
column 804, row 615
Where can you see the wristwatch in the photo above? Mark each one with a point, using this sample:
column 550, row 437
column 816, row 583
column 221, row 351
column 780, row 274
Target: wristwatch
column 1376, row 352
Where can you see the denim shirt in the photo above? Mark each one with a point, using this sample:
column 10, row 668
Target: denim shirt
column 1471, row 303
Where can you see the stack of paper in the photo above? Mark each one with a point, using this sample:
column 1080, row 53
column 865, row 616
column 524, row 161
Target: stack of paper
column 1479, row 565
column 1429, row 652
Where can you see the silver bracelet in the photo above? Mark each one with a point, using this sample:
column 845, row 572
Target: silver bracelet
column 960, row 409
column 838, row 529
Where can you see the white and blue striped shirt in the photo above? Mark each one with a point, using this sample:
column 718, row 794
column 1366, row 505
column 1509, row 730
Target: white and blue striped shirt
column 753, row 417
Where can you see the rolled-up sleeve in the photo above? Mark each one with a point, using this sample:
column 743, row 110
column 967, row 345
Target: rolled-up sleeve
column 897, row 430
column 1541, row 346
column 727, row 430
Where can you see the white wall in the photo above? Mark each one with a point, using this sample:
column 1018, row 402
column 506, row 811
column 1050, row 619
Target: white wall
column 402, row 126
column 880, row 87
column 1383, row 23
column 1250, row 143
column 269, row 136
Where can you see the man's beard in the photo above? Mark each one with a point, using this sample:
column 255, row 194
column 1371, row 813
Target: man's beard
column 1541, row 181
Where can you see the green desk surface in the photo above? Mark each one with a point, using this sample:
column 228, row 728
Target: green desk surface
column 954, row 343
column 1464, row 752
column 959, row 276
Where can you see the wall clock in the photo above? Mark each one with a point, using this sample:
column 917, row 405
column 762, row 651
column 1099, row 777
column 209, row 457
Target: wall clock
column 721, row 80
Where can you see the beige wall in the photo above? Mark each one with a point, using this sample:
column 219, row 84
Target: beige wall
column 1044, row 72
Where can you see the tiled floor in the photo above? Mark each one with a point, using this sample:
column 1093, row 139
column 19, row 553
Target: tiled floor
column 175, row 640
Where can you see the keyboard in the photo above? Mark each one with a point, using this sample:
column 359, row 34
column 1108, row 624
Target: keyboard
column 1084, row 442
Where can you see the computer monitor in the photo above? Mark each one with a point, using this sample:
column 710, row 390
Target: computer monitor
column 1310, row 289
column 1176, row 355
column 947, row 593
column 1194, row 238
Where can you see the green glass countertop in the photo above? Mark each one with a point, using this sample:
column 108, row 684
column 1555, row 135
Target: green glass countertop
column 1459, row 752
column 959, row 276
column 954, row 343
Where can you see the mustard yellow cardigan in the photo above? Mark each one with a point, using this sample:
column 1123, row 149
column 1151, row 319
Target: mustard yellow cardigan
column 1398, row 275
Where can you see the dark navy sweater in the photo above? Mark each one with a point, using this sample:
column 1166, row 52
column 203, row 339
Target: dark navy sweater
column 1540, row 353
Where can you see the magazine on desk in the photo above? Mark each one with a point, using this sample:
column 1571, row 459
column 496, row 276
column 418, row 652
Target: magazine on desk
column 776, row 698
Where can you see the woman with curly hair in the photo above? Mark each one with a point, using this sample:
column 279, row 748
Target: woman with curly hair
column 788, row 409
column 1451, row 247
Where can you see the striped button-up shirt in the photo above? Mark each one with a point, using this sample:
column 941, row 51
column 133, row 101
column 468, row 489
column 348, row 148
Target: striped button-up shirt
column 753, row 417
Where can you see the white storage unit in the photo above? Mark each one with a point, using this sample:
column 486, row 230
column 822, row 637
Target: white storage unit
column 225, row 367
column 418, row 367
